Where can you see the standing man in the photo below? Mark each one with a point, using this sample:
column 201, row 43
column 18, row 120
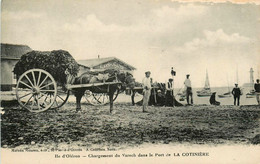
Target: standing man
column 257, row 91
column 146, row 90
column 169, row 92
column 236, row 92
column 187, row 84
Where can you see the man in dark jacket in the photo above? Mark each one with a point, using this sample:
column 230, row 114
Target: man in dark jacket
column 236, row 92
column 169, row 92
column 257, row 91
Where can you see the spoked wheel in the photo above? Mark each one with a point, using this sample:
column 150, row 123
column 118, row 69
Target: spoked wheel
column 62, row 97
column 99, row 98
column 36, row 90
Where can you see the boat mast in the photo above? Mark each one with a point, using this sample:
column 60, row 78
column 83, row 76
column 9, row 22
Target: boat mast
column 251, row 78
column 237, row 76
column 228, row 85
column 258, row 73
column 207, row 86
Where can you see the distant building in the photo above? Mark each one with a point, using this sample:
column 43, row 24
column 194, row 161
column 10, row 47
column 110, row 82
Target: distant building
column 251, row 83
column 10, row 54
column 100, row 64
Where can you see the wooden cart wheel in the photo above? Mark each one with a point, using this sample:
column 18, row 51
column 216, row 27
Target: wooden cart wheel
column 62, row 97
column 99, row 98
column 36, row 90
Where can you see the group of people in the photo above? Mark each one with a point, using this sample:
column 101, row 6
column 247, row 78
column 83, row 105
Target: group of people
column 147, row 81
column 236, row 92
column 147, row 86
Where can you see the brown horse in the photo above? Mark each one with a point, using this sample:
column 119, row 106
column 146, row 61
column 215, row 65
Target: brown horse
column 87, row 77
column 132, row 84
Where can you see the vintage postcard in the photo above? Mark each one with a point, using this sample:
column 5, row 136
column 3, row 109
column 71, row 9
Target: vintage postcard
column 130, row 81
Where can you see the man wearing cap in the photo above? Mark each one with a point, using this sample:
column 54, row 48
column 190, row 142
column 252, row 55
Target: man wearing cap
column 257, row 91
column 187, row 84
column 160, row 98
column 169, row 92
column 236, row 92
column 146, row 90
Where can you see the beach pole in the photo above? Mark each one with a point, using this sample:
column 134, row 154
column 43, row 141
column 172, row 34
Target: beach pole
column 173, row 74
column 172, row 92
column 154, row 93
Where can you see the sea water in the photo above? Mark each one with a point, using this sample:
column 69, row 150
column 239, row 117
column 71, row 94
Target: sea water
column 223, row 101
column 123, row 98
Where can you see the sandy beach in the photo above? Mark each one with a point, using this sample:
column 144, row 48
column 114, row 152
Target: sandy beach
column 129, row 127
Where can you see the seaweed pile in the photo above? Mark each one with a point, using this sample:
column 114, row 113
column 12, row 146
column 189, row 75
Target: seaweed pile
column 55, row 62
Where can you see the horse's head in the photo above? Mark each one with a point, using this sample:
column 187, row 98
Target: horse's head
column 127, row 79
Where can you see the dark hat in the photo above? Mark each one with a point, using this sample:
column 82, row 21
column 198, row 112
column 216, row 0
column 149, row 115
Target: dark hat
column 147, row 72
column 188, row 75
column 236, row 84
column 214, row 92
column 170, row 79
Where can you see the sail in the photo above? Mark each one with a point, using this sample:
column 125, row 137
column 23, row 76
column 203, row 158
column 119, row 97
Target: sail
column 228, row 85
column 251, row 79
column 237, row 77
column 206, row 90
column 207, row 86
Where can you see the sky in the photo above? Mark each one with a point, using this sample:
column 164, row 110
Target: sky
column 192, row 37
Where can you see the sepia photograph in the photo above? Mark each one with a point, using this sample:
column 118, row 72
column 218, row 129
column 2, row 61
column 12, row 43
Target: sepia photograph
column 130, row 81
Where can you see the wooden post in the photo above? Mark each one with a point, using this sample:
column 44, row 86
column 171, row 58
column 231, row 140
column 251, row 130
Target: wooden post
column 173, row 74
column 173, row 99
column 154, row 93
column 155, row 100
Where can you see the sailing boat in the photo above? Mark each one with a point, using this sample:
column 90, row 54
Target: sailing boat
column 206, row 91
column 182, row 94
column 237, row 82
column 251, row 93
column 227, row 94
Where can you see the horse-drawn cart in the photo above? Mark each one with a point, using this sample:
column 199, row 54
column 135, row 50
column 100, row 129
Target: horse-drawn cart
column 37, row 91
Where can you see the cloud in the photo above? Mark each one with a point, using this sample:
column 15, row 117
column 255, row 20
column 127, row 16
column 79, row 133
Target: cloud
column 218, row 46
column 221, row 1
column 217, row 39
column 189, row 10
column 189, row 37
column 91, row 24
column 113, row 38
column 216, row 51
column 159, row 20
column 20, row 15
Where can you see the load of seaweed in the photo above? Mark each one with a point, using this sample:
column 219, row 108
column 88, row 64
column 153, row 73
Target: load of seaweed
column 110, row 71
column 55, row 62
